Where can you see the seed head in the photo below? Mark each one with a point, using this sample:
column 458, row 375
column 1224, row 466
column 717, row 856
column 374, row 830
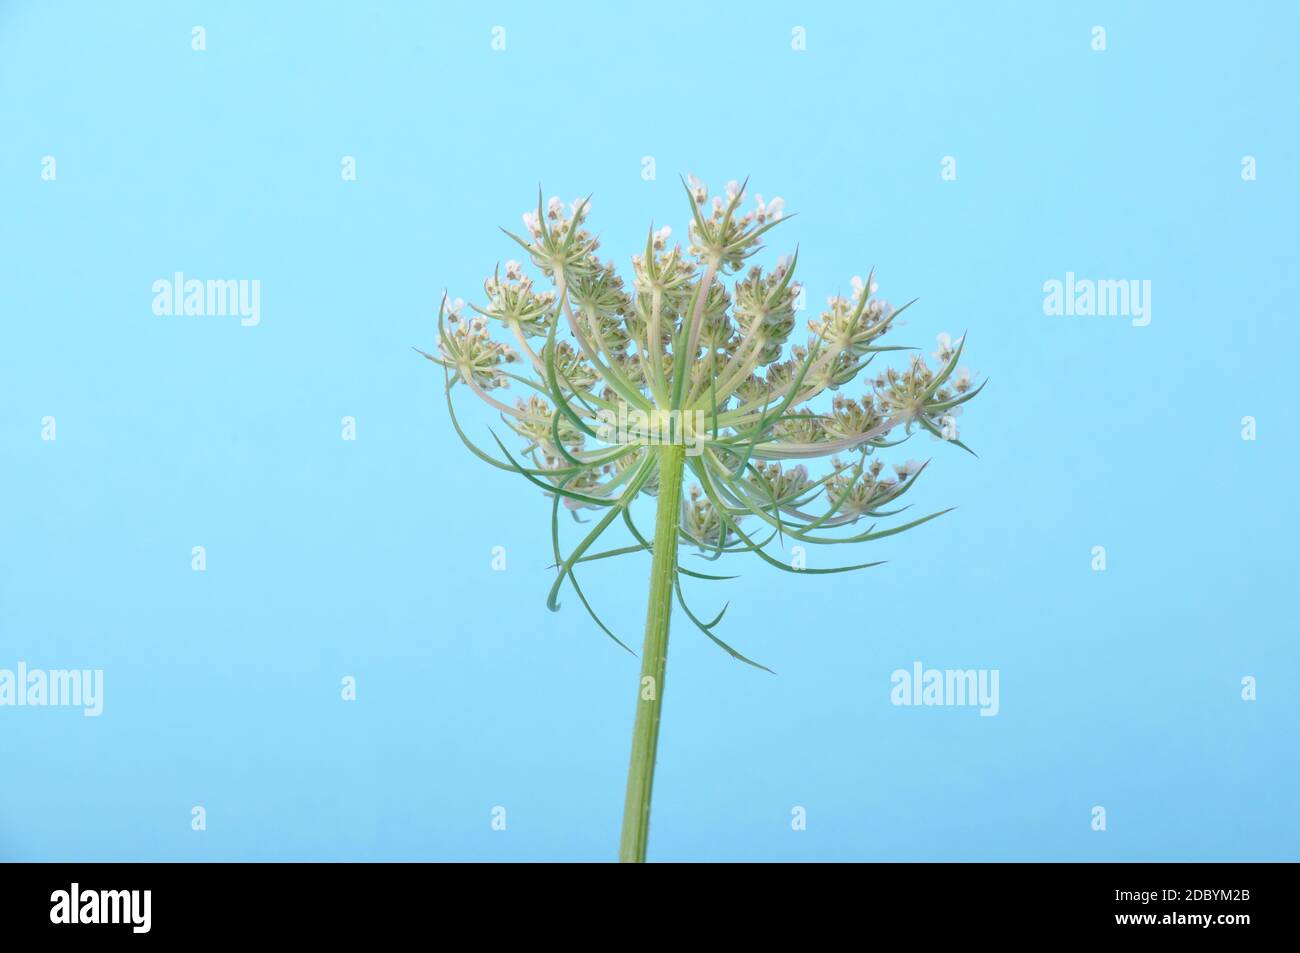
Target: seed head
column 601, row 370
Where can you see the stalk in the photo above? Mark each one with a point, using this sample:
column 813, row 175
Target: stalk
column 654, row 657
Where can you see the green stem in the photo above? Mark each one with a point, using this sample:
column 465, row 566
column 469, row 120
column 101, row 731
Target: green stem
column 654, row 657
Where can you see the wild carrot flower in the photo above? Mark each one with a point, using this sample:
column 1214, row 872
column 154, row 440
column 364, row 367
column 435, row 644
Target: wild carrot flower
column 620, row 387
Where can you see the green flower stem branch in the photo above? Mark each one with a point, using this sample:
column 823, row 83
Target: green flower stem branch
column 618, row 389
column 654, row 658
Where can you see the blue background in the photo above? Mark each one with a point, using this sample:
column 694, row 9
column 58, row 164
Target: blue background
column 372, row 558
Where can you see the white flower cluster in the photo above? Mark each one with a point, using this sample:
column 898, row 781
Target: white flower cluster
column 679, row 339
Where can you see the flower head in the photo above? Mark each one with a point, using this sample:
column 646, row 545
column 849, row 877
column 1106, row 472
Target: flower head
column 604, row 372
